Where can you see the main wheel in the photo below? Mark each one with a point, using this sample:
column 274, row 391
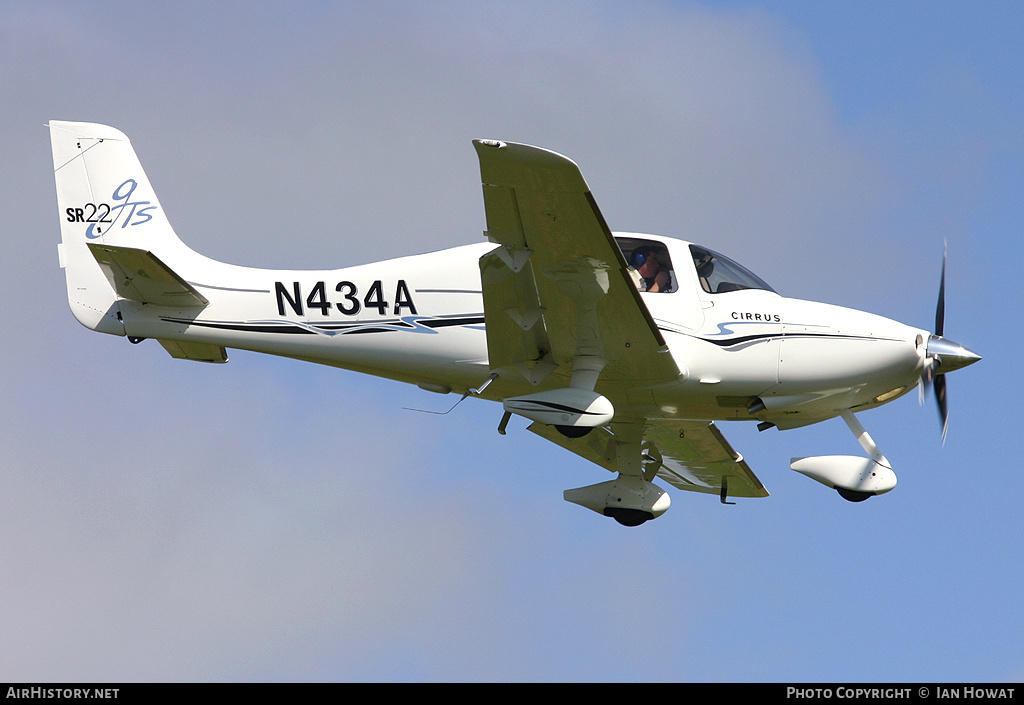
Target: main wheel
column 628, row 517
column 853, row 495
column 574, row 431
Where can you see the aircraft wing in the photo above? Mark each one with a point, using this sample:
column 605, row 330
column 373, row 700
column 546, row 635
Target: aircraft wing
column 690, row 455
column 694, row 455
column 557, row 285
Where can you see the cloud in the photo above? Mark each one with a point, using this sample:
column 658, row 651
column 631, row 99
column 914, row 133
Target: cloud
column 173, row 532
column 273, row 520
column 723, row 111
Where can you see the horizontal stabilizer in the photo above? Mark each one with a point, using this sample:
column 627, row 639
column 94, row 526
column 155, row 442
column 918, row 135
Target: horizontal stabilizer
column 200, row 352
column 140, row 276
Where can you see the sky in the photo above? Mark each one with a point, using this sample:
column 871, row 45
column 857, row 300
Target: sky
column 270, row 520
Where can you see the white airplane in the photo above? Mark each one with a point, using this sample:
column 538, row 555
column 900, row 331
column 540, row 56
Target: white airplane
column 623, row 348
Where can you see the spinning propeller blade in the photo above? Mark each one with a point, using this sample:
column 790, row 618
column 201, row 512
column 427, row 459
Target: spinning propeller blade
column 940, row 307
column 943, row 355
column 940, row 396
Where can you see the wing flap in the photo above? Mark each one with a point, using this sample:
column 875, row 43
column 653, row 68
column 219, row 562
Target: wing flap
column 516, row 331
column 139, row 275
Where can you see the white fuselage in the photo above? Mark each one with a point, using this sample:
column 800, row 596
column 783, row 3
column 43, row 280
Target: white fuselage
column 420, row 319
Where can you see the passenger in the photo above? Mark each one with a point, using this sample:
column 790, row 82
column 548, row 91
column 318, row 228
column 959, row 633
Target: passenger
column 646, row 270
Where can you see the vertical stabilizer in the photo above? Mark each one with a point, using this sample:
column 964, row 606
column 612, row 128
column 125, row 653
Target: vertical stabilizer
column 103, row 198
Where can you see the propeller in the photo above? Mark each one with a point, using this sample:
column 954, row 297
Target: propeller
column 942, row 355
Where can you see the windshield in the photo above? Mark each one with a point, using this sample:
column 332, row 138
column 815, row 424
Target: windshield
column 719, row 274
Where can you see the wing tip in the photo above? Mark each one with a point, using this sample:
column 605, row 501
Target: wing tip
column 525, row 154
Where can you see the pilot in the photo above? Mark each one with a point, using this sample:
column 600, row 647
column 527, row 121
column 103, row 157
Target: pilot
column 646, row 270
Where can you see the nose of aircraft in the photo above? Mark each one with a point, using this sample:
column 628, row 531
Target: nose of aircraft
column 949, row 355
column 945, row 356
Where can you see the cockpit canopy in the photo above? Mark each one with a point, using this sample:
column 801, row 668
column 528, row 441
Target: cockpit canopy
column 719, row 274
column 652, row 269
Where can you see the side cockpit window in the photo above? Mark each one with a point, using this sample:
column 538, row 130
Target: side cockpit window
column 719, row 274
column 649, row 264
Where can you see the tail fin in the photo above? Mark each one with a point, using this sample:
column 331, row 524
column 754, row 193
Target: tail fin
column 106, row 203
